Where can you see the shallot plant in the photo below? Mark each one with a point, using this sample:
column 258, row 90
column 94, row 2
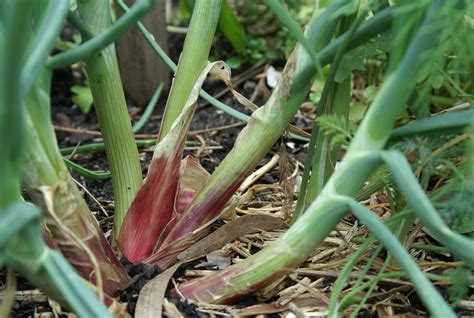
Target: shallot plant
column 159, row 217
column 335, row 200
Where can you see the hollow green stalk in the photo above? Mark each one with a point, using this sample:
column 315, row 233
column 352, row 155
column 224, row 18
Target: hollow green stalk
column 193, row 59
column 111, row 107
column 460, row 245
column 21, row 245
column 67, row 216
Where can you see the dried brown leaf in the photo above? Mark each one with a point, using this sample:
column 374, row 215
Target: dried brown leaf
column 239, row 227
column 267, row 309
column 151, row 298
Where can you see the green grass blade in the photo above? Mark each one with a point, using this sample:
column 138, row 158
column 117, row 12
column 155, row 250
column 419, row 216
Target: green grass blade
column 89, row 174
column 343, row 276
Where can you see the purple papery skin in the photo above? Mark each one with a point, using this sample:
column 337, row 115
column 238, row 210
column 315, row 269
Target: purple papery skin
column 185, row 199
column 181, row 236
column 193, row 177
column 215, row 289
column 165, row 194
column 74, row 214
column 151, row 211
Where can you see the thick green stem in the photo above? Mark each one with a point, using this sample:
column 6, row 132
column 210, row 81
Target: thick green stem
column 193, row 59
column 111, row 107
column 12, row 141
column 21, row 245
column 50, row 185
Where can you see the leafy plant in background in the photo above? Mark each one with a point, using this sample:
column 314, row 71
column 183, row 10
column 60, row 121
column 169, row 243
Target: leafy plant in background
column 82, row 97
column 254, row 34
column 157, row 219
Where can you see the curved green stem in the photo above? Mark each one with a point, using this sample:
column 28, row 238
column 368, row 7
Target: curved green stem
column 96, row 147
column 102, row 40
column 86, row 172
column 44, row 41
column 85, row 30
column 451, row 122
